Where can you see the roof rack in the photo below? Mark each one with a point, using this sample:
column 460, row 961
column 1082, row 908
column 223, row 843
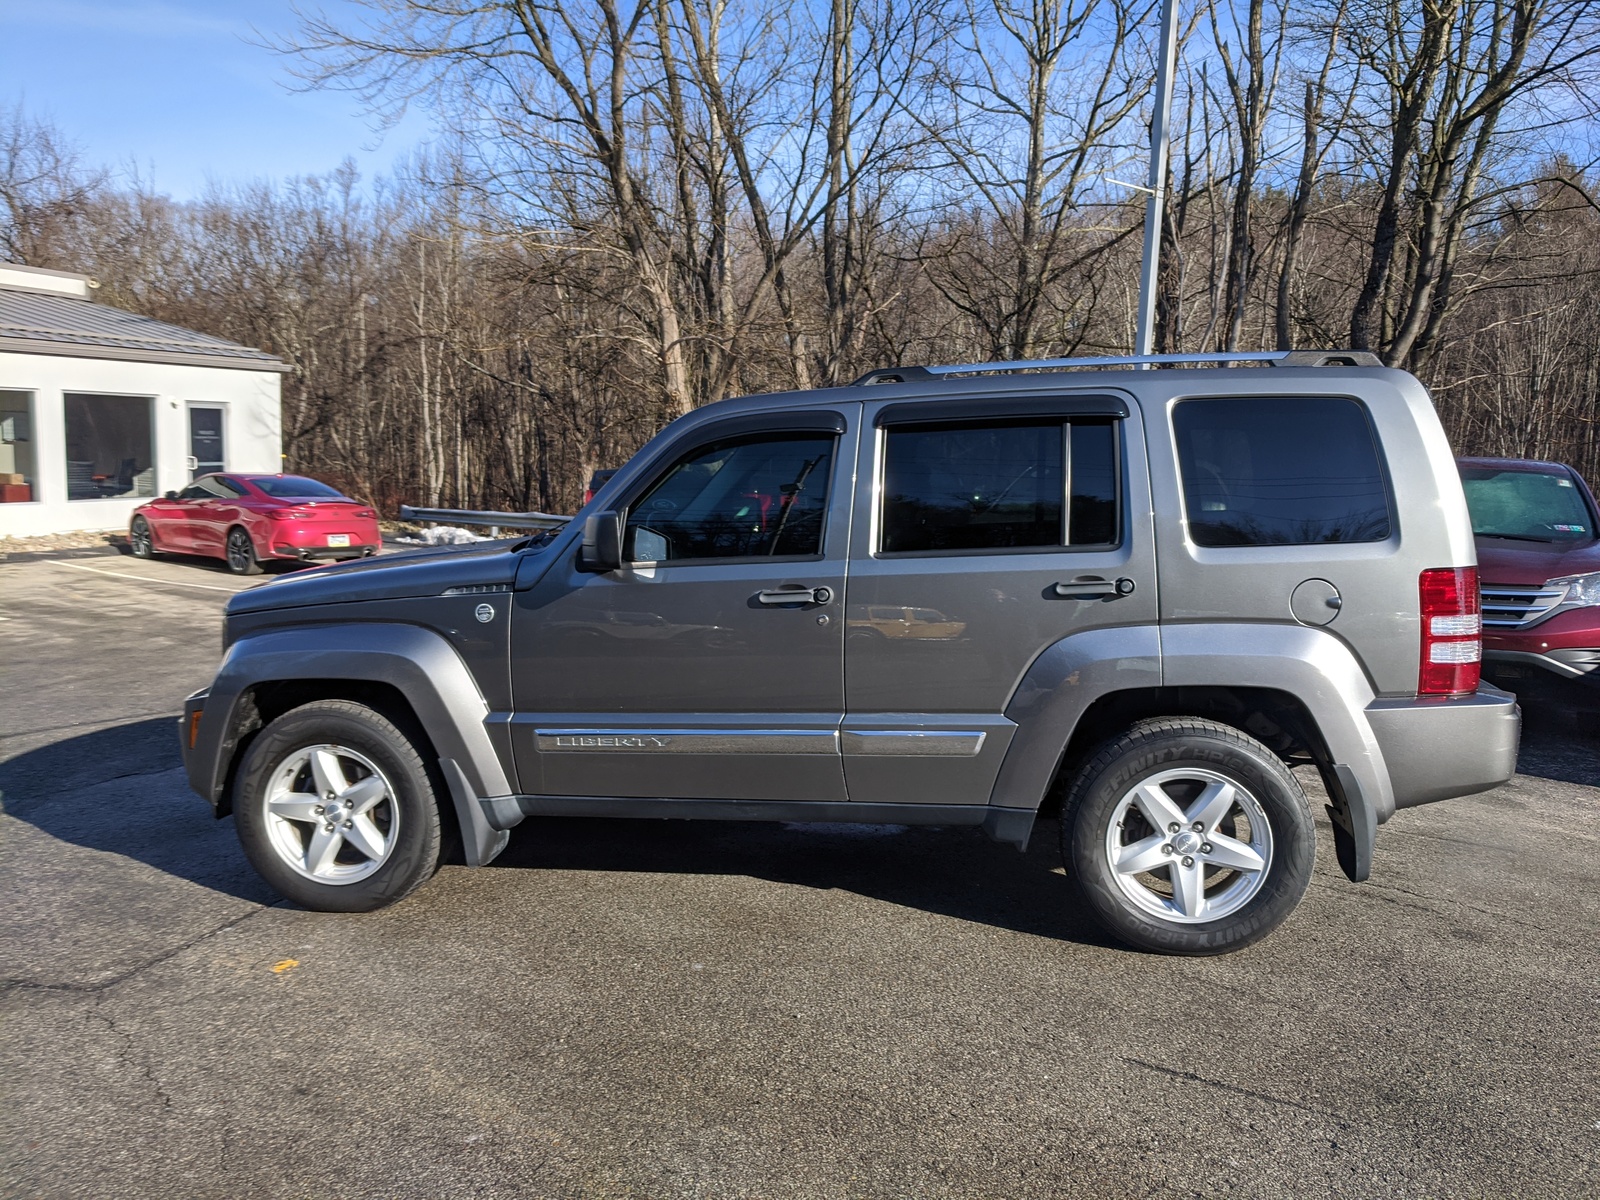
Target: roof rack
column 1276, row 358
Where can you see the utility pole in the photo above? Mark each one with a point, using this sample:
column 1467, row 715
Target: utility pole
column 1155, row 204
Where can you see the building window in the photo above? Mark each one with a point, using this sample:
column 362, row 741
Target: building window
column 108, row 446
column 16, row 448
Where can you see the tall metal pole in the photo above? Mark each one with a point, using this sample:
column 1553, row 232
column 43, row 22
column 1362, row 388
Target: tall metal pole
column 1155, row 205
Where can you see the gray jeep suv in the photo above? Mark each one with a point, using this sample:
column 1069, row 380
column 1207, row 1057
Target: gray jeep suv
column 941, row 596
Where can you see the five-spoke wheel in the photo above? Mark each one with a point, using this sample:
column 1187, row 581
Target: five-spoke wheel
column 1187, row 836
column 331, row 814
column 337, row 809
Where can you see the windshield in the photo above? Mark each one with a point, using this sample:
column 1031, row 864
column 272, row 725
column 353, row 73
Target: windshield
column 296, row 487
column 1544, row 506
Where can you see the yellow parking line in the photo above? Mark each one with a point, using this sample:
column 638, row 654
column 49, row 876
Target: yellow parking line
column 210, row 587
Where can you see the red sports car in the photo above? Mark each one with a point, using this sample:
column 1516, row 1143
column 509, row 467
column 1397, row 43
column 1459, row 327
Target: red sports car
column 246, row 520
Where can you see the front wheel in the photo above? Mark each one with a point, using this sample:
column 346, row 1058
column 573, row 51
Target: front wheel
column 335, row 808
column 242, row 553
column 141, row 543
column 1187, row 836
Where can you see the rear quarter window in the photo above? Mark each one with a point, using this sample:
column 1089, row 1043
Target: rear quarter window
column 1280, row 471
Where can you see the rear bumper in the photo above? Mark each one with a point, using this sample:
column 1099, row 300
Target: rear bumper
column 1440, row 748
column 321, row 553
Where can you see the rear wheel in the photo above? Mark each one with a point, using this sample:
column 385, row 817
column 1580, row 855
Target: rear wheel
column 335, row 808
column 1189, row 837
column 241, row 553
column 140, row 541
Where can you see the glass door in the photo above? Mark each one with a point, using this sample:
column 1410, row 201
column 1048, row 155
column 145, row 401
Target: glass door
column 205, row 440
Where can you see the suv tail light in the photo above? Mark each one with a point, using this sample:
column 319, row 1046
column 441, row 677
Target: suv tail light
column 1452, row 632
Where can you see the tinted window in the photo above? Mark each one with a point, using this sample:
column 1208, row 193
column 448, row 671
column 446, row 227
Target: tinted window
column 999, row 486
column 195, row 491
column 1544, row 506
column 233, row 485
column 1093, row 517
column 1275, row 471
column 749, row 497
column 295, row 487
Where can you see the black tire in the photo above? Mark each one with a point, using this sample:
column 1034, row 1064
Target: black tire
column 415, row 823
column 1163, row 750
column 141, row 543
column 240, row 552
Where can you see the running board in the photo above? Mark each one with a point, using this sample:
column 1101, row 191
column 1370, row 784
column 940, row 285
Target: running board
column 1009, row 825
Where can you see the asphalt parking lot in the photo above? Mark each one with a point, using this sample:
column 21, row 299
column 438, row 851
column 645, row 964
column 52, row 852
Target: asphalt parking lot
column 666, row 1009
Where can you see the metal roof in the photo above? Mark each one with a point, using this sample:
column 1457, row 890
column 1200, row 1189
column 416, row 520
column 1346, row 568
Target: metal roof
column 40, row 323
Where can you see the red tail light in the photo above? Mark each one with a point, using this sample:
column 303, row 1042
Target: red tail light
column 286, row 514
column 1452, row 632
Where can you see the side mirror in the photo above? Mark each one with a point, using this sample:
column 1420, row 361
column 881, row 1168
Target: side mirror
column 171, row 496
column 602, row 542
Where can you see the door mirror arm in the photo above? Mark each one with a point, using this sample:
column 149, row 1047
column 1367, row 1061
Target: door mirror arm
column 602, row 542
column 170, row 496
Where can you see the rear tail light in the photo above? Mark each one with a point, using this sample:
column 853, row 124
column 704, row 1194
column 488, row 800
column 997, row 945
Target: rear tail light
column 1452, row 632
column 367, row 514
column 287, row 514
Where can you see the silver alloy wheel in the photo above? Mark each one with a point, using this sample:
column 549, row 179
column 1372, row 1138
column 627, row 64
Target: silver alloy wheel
column 1189, row 845
column 140, row 539
column 331, row 814
column 240, row 551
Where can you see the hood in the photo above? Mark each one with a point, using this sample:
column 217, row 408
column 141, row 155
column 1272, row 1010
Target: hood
column 407, row 573
column 1528, row 564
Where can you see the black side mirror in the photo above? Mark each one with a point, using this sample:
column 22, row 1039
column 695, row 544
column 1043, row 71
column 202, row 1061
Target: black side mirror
column 172, row 495
column 602, row 542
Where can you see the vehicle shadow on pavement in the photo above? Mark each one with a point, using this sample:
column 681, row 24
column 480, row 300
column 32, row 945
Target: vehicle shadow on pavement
column 1560, row 746
column 120, row 790
column 953, row 872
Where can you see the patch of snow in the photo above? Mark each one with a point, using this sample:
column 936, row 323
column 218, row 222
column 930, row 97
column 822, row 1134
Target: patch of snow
column 444, row 535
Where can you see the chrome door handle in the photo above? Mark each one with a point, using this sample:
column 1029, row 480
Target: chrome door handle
column 796, row 595
column 1095, row 589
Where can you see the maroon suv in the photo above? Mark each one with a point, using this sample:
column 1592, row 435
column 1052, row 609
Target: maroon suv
column 1539, row 563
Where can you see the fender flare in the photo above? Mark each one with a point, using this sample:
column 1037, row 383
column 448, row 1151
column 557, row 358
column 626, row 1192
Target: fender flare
column 1312, row 665
column 421, row 664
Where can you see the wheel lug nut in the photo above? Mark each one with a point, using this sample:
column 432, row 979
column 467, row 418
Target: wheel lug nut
column 317, row 810
column 1187, row 861
column 328, row 828
column 1198, row 827
column 1167, row 849
column 1205, row 847
column 1173, row 828
column 347, row 824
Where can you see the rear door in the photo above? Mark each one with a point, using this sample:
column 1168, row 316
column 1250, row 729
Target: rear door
column 710, row 666
column 997, row 527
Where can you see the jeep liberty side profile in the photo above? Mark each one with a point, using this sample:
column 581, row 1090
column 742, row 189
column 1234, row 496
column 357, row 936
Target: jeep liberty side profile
column 968, row 595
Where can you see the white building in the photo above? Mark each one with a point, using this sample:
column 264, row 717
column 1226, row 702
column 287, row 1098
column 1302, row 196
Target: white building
column 101, row 409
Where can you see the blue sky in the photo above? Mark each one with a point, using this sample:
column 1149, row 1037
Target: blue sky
column 175, row 87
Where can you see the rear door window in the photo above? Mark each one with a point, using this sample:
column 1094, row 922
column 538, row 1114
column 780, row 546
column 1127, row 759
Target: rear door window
column 1276, row 471
column 999, row 485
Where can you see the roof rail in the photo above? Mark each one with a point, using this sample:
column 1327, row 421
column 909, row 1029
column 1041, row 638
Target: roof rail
column 1276, row 358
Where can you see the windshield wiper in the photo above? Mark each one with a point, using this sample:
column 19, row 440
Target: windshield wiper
column 1519, row 537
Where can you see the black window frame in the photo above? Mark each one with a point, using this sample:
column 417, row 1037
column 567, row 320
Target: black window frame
column 830, row 426
column 1043, row 412
column 1392, row 508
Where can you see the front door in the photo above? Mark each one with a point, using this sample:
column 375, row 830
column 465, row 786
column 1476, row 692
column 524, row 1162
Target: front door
column 710, row 666
column 991, row 530
column 206, row 451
